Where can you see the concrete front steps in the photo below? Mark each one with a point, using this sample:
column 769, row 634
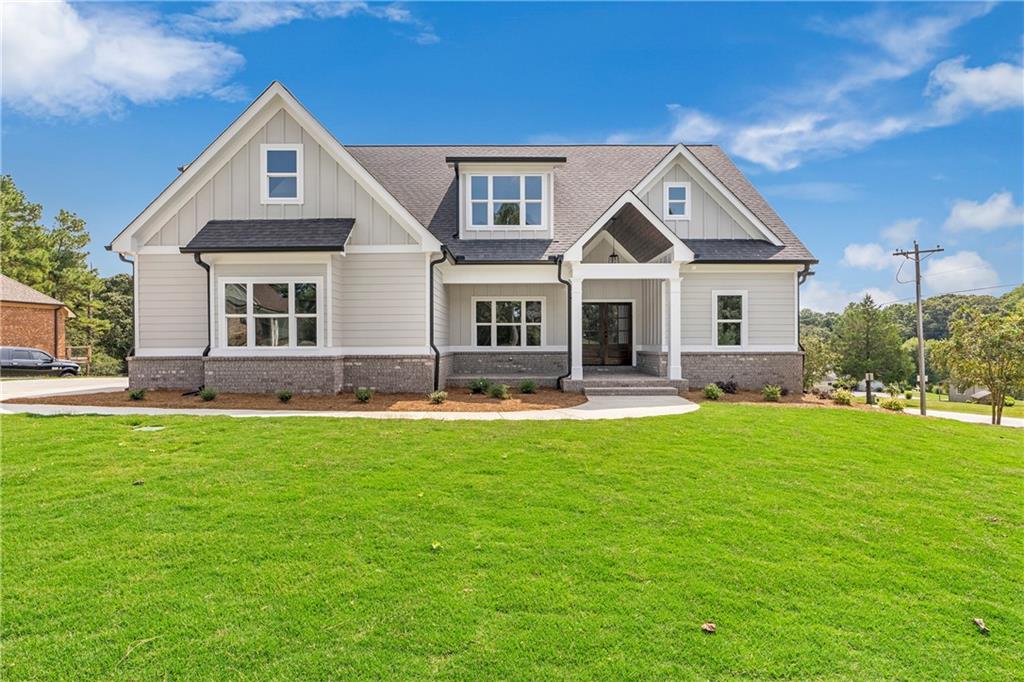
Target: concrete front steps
column 629, row 383
column 630, row 390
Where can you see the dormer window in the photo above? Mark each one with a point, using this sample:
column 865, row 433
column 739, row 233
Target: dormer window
column 281, row 173
column 677, row 201
column 507, row 201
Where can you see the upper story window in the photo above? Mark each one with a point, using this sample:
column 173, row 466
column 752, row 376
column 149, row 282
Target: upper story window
column 506, row 201
column 677, row 201
column 281, row 173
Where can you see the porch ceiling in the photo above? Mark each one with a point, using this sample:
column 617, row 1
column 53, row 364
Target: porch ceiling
column 636, row 234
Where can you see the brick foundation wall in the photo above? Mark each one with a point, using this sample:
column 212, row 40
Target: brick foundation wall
column 390, row 373
column 31, row 326
column 272, row 374
column 652, row 362
column 509, row 364
column 748, row 370
column 184, row 373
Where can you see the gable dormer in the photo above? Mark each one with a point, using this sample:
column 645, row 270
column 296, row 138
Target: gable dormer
column 510, row 197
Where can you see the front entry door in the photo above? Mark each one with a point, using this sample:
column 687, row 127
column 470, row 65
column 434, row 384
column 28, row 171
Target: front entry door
column 607, row 333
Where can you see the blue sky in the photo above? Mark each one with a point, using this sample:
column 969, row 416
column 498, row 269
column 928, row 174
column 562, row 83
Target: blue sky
column 864, row 125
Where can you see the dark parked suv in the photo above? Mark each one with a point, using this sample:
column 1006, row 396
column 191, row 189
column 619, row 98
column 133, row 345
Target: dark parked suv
column 34, row 362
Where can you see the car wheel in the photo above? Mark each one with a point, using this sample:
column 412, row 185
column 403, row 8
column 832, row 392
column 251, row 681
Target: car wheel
column 69, row 373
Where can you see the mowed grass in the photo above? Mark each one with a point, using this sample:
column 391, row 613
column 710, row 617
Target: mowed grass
column 938, row 401
column 824, row 543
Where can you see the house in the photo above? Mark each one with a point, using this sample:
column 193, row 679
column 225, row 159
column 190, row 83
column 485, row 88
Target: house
column 281, row 258
column 31, row 319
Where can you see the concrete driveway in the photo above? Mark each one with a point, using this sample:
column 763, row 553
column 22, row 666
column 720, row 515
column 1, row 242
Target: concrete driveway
column 35, row 388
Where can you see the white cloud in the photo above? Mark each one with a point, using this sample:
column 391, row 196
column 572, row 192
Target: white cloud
column 59, row 61
column 958, row 272
column 901, row 231
column 994, row 213
column 866, row 256
column 825, row 192
column 824, row 296
column 999, row 86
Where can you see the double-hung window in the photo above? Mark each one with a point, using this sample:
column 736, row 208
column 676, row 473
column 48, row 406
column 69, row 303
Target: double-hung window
column 677, row 201
column 508, row 322
column 730, row 315
column 506, row 201
column 281, row 173
column 271, row 314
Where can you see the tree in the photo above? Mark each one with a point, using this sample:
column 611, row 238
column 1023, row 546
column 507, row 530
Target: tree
column 935, row 373
column 117, row 308
column 986, row 349
column 810, row 319
column 819, row 358
column 24, row 243
column 937, row 313
column 867, row 339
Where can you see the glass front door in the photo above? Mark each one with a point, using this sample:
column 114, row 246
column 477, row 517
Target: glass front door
column 607, row 333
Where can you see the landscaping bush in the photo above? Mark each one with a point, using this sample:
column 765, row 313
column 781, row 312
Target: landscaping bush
column 823, row 393
column 893, row 389
column 103, row 365
column 842, row 397
column 208, row 394
column 847, row 383
column 713, row 392
column 1009, row 401
column 499, row 391
column 137, row 394
column 908, row 394
column 527, row 386
column 438, row 397
column 284, row 396
column 771, row 393
column 363, row 394
column 785, row 392
column 727, row 386
column 894, row 404
column 480, row 386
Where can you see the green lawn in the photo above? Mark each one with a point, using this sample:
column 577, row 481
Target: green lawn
column 941, row 402
column 825, row 543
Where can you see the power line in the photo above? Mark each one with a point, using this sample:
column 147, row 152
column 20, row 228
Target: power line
column 960, row 291
column 918, row 255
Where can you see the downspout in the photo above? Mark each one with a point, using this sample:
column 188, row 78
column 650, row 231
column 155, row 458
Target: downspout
column 568, row 322
column 445, row 254
column 458, row 201
column 135, row 303
column 801, row 277
column 209, row 327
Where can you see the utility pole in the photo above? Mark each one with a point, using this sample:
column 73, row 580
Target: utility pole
column 917, row 255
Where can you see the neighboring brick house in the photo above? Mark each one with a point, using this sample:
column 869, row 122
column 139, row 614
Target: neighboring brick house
column 31, row 319
column 281, row 258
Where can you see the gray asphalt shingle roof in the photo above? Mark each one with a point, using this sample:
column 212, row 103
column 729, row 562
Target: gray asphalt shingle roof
column 15, row 292
column 299, row 234
column 590, row 180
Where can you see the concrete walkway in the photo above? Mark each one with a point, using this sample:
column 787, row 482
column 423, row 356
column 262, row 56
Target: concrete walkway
column 597, row 407
column 1014, row 422
column 35, row 388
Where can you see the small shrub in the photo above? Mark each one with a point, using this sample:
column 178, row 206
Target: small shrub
column 824, row 393
column 848, row 383
column 842, row 397
column 527, row 386
column 893, row 390
column 727, row 386
column 363, row 394
column 284, row 396
column 771, row 393
column 908, row 394
column 103, row 365
column 438, row 397
column 208, row 394
column 480, row 386
column 894, row 404
column 499, row 391
column 137, row 394
column 1009, row 401
column 713, row 392
column 785, row 392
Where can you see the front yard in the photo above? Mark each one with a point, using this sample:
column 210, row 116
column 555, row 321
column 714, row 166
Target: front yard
column 823, row 543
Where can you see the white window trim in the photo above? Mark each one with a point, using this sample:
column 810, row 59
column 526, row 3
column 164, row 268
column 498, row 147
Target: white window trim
column 545, row 194
column 265, row 176
column 250, row 342
column 494, row 323
column 686, row 203
column 744, row 320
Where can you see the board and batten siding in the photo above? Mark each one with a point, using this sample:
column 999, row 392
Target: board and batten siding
column 771, row 306
column 172, row 302
column 461, row 314
column 708, row 219
column 328, row 192
column 383, row 300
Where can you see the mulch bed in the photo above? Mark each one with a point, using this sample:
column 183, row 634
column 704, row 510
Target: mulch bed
column 459, row 400
column 791, row 400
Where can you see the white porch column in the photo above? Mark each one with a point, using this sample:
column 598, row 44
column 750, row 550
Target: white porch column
column 675, row 331
column 577, row 329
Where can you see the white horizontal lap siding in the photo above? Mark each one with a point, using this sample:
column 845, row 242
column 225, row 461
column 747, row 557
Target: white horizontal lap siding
column 441, row 330
column 461, row 313
column 383, row 300
column 337, row 263
column 708, row 219
column 234, row 193
column 771, row 306
column 172, row 302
